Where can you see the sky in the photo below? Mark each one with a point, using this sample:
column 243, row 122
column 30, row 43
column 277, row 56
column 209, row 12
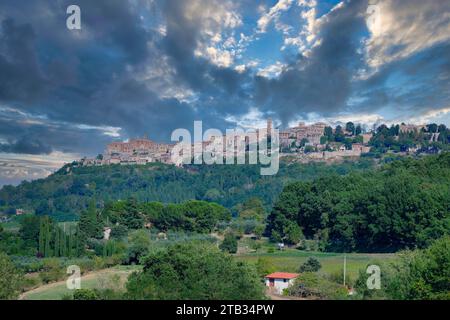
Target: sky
column 147, row 67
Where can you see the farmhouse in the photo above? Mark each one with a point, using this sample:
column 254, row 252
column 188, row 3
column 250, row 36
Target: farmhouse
column 278, row 281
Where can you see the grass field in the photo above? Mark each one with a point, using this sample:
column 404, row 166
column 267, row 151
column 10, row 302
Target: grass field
column 108, row 278
column 12, row 226
column 289, row 260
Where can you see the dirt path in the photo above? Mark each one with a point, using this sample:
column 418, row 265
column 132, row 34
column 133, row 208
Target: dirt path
column 87, row 276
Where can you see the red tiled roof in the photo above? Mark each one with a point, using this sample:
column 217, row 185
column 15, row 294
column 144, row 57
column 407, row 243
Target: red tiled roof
column 282, row 275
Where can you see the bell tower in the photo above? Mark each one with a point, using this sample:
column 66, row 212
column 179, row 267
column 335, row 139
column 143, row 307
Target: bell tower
column 269, row 126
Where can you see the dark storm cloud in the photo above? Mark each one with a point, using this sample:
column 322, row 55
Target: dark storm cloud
column 78, row 82
column 87, row 74
column 430, row 90
column 320, row 82
column 183, row 34
column 27, row 145
column 20, row 77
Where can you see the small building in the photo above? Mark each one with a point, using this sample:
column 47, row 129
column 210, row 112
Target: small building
column 278, row 281
column 19, row 212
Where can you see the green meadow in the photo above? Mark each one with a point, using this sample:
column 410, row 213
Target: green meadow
column 289, row 260
column 114, row 278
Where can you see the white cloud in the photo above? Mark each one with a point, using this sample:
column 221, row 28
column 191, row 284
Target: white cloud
column 254, row 119
column 105, row 130
column 271, row 71
column 273, row 14
column 15, row 168
column 438, row 116
column 221, row 58
column 218, row 21
column 399, row 29
column 243, row 67
column 370, row 119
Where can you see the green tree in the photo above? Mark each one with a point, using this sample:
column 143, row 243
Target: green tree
column 51, row 271
column 350, row 127
column 196, row 271
column 29, row 230
column 10, row 279
column 293, row 234
column 328, row 133
column 57, row 245
column 252, row 208
column 433, row 127
column 153, row 210
column 89, row 224
column 424, row 274
column 229, row 243
column 311, row 265
column 315, row 285
column 139, row 246
column 85, row 294
column 131, row 217
column 259, row 230
column 339, row 135
column 45, row 236
column 374, row 211
column 418, row 275
column 265, row 266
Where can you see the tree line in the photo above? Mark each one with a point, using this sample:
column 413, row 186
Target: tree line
column 405, row 204
column 68, row 192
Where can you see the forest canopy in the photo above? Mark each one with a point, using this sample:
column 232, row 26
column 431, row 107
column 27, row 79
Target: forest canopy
column 65, row 194
column 405, row 204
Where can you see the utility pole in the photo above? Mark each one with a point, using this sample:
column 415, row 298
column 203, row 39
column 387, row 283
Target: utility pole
column 345, row 266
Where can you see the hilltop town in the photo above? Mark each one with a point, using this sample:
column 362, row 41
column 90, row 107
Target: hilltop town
column 303, row 143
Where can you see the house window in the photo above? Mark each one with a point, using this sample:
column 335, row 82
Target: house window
column 284, row 280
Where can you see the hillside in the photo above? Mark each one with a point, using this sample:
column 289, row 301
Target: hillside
column 405, row 204
column 65, row 193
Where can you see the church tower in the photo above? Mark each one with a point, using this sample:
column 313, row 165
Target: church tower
column 269, row 126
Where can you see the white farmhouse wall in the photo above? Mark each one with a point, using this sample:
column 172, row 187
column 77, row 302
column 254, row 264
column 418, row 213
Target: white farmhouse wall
column 280, row 284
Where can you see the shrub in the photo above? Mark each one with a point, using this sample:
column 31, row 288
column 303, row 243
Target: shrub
column 311, row 265
column 85, row 294
column 420, row 274
column 10, row 279
column 229, row 243
column 315, row 285
column 52, row 271
column 119, row 231
column 139, row 246
column 195, row 271
column 264, row 266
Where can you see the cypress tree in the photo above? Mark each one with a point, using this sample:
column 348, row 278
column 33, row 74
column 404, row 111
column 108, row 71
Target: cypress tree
column 70, row 242
column 62, row 243
column 47, row 233
column 41, row 236
column 57, row 240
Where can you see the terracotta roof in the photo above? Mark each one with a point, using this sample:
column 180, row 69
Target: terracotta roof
column 282, row 275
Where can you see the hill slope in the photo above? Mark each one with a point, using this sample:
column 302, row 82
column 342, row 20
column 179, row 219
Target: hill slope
column 68, row 191
column 401, row 205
